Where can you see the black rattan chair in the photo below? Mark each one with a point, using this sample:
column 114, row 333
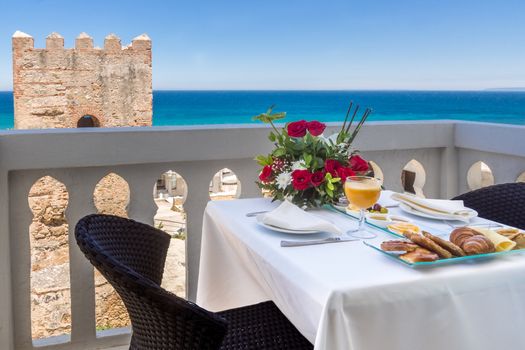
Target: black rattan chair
column 503, row 203
column 131, row 257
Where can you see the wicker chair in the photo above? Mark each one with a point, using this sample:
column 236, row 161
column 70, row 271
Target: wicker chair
column 131, row 257
column 503, row 203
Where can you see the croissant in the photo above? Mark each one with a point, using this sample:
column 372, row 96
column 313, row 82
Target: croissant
column 459, row 235
column 478, row 244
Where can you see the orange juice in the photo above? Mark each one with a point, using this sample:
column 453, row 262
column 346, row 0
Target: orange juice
column 363, row 193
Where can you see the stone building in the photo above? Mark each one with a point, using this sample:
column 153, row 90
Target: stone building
column 56, row 87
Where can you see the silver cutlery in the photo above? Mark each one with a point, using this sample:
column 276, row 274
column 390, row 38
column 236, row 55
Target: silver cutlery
column 255, row 213
column 287, row 244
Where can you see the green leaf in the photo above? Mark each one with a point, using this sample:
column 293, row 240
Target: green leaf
column 272, row 136
column 269, row 116
column 330, row 193
column 330, row 186
column 307, row 159
column 262, row 160
column 279, row 152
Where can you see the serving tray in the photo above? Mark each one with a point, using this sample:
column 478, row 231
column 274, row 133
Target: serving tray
column 393, row 255
column 442, row 261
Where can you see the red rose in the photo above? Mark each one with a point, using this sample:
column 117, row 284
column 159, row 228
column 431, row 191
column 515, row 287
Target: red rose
column 315, row 128
column 297, row 129
column 358, row 164
column 301, row 179
column 344, row 173
column 266, row 174
column 317, row 178
column 331, row 166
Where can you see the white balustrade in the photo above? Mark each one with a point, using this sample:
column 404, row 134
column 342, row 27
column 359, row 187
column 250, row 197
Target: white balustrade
column 79, row 158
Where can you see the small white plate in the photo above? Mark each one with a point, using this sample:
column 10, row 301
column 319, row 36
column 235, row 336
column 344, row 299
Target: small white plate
column 284, row 230
column 410, row 210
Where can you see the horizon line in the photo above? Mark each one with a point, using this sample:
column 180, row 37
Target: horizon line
column 510, row 89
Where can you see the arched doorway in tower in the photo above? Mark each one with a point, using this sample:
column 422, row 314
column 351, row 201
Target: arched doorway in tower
column 88, row 121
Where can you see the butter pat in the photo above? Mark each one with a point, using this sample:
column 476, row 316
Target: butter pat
column 501, row 242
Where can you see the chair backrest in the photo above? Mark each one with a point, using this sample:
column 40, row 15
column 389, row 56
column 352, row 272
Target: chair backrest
column 503, row 203
column 131, row 256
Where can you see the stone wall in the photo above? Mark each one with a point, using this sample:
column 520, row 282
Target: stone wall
column 54, row 87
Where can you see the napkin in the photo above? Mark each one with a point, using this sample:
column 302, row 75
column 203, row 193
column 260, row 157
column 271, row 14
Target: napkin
column 291, row 217
column 501, row 242
column 443, row 208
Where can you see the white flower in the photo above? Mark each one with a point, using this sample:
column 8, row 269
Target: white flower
column 327, row 140
column 283, row 180
column 298, row 165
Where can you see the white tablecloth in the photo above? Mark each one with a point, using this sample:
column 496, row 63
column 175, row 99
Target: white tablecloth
column 346, row 296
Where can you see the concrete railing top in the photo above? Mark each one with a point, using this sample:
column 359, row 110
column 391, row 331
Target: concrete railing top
column 52, row 148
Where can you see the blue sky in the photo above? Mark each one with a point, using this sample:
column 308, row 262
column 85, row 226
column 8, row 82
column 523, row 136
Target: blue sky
column 296, row 44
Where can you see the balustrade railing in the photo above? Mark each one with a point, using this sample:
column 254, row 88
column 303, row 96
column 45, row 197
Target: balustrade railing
column 80, row 158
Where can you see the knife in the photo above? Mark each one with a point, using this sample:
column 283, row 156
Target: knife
column 287, row 244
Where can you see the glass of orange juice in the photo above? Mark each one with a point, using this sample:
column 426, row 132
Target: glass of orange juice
column 362, row 192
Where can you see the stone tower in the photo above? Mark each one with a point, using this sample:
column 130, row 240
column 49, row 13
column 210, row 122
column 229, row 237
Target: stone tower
column 68, row 88
column 85, row 86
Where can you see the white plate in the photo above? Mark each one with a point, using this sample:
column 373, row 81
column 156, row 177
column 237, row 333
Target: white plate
column 284, row 230
column 389, row 219
column 410, row 210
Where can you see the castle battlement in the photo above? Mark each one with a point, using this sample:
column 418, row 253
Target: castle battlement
column 56, row 86
column 55, row 41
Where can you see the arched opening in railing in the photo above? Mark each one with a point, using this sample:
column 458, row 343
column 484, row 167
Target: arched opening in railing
column 110, row 196
column 378, row 172
column 170, row 193
column 413, row 178
column 225, row 185
column 479, row 175
column 49, row 243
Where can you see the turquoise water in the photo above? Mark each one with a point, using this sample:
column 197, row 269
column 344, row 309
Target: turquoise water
column 219, row 107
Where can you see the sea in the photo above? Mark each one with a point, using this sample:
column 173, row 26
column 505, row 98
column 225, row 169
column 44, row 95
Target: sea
column 238, row 107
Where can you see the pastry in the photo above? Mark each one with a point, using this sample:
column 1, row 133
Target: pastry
column 398, row 246
column 520, row 241
column 451, row 247
column 501, row 243
column 459, row 235
column 478, row 244
column 515, row 235
column 429, row 244
column 419, row 255
column 508, row 231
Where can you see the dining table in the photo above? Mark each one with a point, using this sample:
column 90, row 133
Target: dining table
column 348, row 296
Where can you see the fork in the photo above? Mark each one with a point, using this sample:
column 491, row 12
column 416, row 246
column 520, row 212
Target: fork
column 255, row 213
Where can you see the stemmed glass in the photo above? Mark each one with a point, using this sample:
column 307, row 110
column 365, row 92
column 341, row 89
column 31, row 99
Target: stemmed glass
column 362, row 192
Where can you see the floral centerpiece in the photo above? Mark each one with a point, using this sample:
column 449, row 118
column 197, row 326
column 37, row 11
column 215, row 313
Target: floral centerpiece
column 306, row 167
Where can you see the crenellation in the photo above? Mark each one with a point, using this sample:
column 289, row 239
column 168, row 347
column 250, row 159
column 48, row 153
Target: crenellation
column 114, row 82
column 22, row 41
column 112, row 43
column 83, row 41
column 54, row 41
column 141, row 42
